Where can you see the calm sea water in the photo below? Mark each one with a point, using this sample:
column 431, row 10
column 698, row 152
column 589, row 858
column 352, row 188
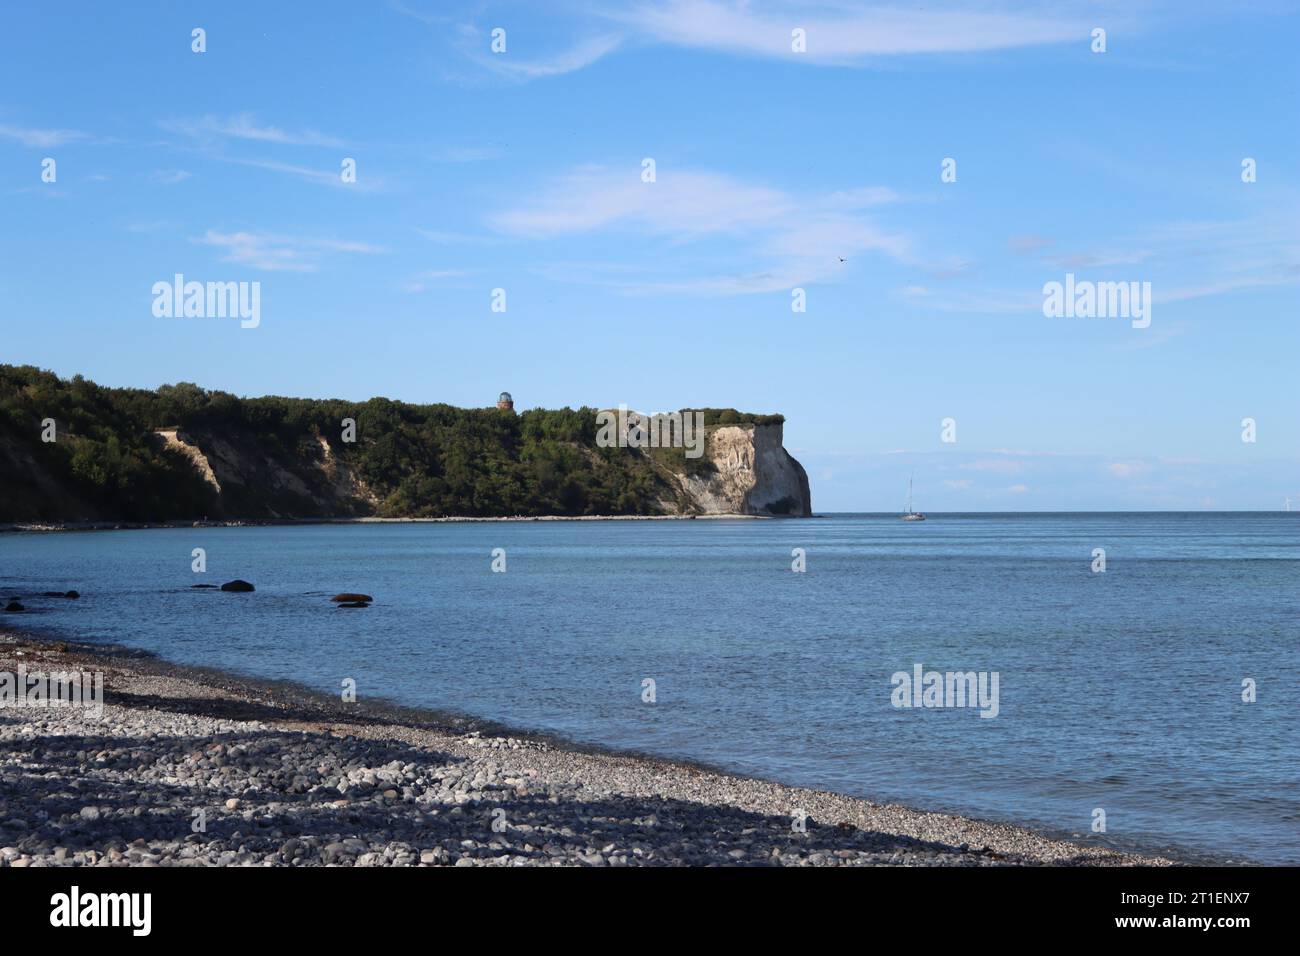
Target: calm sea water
column 1119, row 690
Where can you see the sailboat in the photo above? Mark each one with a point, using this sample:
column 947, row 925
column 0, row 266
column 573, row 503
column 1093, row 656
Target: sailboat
column 909, row 514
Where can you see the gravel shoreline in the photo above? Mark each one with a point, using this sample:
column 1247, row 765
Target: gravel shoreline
column 188, row 767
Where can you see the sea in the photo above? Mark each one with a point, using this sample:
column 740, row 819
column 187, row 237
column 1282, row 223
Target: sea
column 1139, row 671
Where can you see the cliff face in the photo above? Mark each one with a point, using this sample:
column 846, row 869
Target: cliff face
column 306, row 481
column 744, row 470
column 748, row 472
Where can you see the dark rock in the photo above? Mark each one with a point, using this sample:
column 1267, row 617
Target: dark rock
column 237, row 586
column 14, row 606
column 352, row 598
column 354, row 604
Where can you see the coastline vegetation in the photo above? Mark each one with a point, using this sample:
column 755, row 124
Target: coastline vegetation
column 107, row 460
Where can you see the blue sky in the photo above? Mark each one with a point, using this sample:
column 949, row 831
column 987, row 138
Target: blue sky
column 522, row 170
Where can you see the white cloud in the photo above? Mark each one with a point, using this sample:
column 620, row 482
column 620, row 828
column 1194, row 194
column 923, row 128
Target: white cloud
column 837, row 32
column 582, row 54
column 325, row 177
column 431, row 276
column 466, row 154
column 1098, row 260
column 42, row 138
column 783, row 239
column 243, row 126
column 442, row 236
column 1128, row 469
column 682, row 204
column 1027, row 243
column 274, row 253
column 843, row 34
column 863, row 196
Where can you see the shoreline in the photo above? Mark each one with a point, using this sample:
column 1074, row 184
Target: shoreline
column 32, row 527
column 284, row 775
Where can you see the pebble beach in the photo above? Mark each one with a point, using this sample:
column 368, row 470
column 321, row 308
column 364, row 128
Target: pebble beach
column 197, row 768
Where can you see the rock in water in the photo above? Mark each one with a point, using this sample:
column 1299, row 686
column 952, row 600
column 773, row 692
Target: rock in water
column 354, row 604
column 352, row 598
column 14, row 606
column 237, row 586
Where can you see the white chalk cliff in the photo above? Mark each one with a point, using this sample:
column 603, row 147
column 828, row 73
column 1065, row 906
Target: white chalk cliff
column 745, row 470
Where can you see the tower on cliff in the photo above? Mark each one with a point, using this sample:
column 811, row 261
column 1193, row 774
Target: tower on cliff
column 505, row 401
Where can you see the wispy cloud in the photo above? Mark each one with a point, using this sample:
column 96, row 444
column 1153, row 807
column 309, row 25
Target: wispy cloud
column 1100, row 260
column 275, row 253
column 782, row 238
column 42, row 138
column 838, row 33
column 1128, row 469
column 424, row 16
column 682, row 204
column 443, row 236
column 430, row 277
column 1028, row 243
column 582, row 54
column 467, row 154
column 1183, row 261
column 323, row 177
column 243, row 126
